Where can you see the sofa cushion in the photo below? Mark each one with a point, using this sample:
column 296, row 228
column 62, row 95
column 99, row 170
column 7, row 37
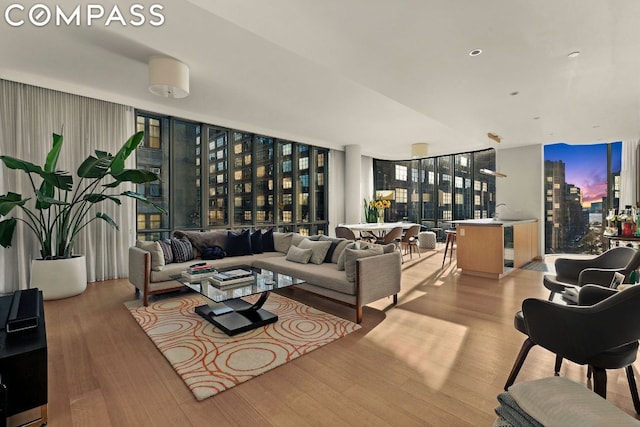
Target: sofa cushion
column 167, row 251
column 238, row 243
column 256, row 242
column 299, row 255
column 351, row 255
column 182, row 250
column 267, row 241
column 318, row 248
column 203, row 239
column 157, row 256
column 324, row 275
column 282, row 241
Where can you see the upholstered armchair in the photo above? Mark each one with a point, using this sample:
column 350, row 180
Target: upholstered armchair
column 603, row 335
column 597, row 270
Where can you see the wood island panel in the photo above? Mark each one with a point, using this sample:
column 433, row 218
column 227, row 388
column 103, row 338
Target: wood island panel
column 480, row 249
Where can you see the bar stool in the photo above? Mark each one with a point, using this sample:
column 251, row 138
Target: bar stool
column 451, row 238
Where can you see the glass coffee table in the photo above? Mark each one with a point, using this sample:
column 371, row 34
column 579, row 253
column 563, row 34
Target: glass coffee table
column 225, row 307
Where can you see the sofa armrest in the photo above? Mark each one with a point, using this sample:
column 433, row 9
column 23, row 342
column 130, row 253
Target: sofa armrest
column 139, row 268
column 378, row 276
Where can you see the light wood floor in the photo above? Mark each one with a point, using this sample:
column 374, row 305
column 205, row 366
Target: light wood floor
column 440, row 357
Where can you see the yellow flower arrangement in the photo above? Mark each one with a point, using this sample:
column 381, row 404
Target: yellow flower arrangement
column 380, row 204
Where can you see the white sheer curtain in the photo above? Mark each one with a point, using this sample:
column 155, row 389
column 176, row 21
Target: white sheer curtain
column 628, row 173
column 28, row 117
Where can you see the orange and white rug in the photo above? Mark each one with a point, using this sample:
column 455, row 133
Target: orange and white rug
column 209, row 361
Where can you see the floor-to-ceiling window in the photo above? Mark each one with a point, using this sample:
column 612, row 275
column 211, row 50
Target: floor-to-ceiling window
column 436, row 190
column 220, row 178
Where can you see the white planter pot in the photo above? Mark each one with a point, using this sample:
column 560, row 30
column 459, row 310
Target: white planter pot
column 59, row 278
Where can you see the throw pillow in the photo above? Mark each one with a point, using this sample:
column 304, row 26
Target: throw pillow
column 182, row 250
column 351, row 255
column 319, row 250
column 296, row 238
column 165, row 244
column 282, row 241
column 157, row 257
column 267, row 241
column 238, row 244
column 296, row 254
column 256, row 242
column 335, row 242
column 351, row 245
column 214, row 252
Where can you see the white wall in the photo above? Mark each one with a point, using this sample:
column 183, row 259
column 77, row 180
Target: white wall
column 336, row 190
column 522, row 189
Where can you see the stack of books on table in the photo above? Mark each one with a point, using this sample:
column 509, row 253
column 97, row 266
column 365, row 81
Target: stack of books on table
column 198, row 272
column 223, row 279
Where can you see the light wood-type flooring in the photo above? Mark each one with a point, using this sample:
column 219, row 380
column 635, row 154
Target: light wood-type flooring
column 438, row 358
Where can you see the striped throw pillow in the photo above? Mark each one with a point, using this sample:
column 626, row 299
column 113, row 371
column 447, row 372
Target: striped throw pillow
column 182, row 250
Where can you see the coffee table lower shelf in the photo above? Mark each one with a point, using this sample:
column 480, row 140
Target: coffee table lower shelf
column 236, row 316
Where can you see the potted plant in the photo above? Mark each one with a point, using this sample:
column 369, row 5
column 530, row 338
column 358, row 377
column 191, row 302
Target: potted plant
column 57, row 210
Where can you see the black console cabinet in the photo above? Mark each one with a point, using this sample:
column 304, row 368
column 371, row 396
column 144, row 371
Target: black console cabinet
column 23, row 367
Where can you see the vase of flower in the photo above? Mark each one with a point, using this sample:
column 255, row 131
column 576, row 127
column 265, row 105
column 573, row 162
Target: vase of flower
column 380, row 215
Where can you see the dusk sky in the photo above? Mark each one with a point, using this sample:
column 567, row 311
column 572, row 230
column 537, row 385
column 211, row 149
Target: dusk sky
column 586, row 166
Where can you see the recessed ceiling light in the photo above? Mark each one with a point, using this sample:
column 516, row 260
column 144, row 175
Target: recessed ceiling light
column 574, row 54
column 536, row 118
column 596, row 126
column 514, row 93
column 475, row 52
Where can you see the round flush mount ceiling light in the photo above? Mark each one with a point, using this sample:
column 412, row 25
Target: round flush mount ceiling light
column 168, row 77
column 475, row 52
column 574, row 54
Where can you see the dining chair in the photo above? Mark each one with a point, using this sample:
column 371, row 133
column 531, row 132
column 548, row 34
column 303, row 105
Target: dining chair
column 345, row 233
column 392, row 236
column 409, row 240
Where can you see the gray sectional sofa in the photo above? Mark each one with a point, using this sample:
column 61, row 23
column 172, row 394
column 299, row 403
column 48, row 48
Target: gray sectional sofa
column 343, row 271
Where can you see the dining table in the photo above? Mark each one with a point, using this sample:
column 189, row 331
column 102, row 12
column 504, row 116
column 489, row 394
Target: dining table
column 378, row 229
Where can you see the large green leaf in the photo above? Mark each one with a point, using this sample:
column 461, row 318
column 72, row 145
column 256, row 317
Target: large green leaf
column 13, row 163
column 117, row 165
column 96, row 198
column 143, row 199
column 59, row 179
column 52, row 157
column 45, row 201
column 136, row 176
column 10, row 201
column 7, row 227
column 93, row 167
column 107, row 218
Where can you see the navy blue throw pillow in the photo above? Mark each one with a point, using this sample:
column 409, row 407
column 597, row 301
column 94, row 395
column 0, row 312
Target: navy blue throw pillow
column 267, row 241
column 213, row 252
column 256, row 242
column 238, row 244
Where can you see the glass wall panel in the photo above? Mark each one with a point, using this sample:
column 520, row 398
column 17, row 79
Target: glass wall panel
column 187, row 173
column 302, row 207
column 462, row 186
column 445, row 187
column 320, row 185
column 285, row 184
column 429, row 193
column 218, row 177
column 242, row 178
column 484, row 186
column 264, row 190
column 153, row 155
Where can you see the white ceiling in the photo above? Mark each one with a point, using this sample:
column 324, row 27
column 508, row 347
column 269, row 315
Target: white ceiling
column 379, row 73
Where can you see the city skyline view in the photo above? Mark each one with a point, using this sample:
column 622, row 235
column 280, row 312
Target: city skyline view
column 586, row 167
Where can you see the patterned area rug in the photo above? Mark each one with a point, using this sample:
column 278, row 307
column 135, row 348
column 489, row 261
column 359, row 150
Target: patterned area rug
column 210, row 362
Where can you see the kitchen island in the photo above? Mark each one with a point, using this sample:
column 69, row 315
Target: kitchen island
column 493, row 248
